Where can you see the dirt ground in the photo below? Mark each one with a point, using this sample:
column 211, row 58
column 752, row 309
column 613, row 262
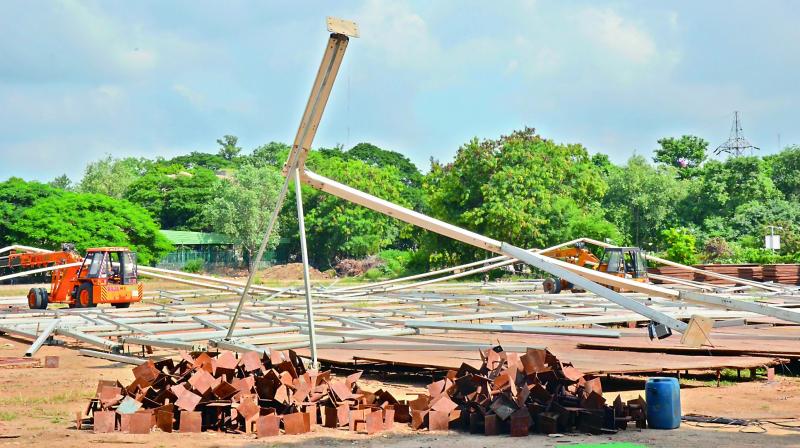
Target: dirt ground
column 38, row 406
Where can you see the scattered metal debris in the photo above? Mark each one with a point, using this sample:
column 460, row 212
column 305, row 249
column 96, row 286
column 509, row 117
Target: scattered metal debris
column 510, row 393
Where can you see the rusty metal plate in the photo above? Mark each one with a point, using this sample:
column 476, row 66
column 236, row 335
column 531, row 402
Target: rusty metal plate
column 146, row 372
column 105, row 421
column 438, row 421
column 443, row 404
column 202, row 381
column 251, row 361
column 248, row 409
column 418, row 418
column 388, row 418
column 51, row 362
column 374, row 422
column 141, row 422
column 125, row 422
column 294, row 423
column 188, row 401
column 490, row 425
column 190, row 421
column 402, row 413
column 520, row 423
column 165, row 417
column 329, row 417
column 225, row 390
column 268, row 425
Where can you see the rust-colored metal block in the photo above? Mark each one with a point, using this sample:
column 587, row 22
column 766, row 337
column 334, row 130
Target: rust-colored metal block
column 202, row 381
column 343, row 415
column 329, row 416
column 165, row 417
column 438, row 421
column 388, row 418
column 105, row 421
column 311, row 410
column 520, row 423
column 51, row 362
column 268, row 425
column 146, row 372
column 191, row 421
column 358, row 416
column 294, row 423
column 248, row 409
column 490, row 425
column 188, row 401
column 125, row 422
column 141, row 422
column 418, row 418
column 402, row 413
column 374, row 422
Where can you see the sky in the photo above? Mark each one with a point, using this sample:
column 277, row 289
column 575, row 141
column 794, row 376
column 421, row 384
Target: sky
column 79, row 80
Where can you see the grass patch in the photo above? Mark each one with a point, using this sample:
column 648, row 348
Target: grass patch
column 7, row 416
column 69, row 396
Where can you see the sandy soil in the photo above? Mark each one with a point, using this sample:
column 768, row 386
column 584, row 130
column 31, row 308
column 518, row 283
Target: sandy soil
column 38, row 406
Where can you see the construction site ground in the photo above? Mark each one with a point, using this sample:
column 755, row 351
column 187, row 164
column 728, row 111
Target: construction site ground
column 38, row 406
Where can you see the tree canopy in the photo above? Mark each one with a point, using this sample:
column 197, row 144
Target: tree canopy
column 89, row 220
column 521, row 188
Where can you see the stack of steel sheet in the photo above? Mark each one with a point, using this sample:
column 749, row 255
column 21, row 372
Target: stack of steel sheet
column 782, row 273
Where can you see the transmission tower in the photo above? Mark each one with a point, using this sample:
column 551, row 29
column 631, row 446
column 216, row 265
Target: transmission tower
column 736, row 143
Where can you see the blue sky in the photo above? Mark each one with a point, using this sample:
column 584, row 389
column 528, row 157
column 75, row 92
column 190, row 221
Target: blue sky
column 82, row 79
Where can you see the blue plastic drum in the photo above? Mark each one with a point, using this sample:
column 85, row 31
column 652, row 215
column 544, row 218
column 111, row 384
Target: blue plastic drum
column 663, row 397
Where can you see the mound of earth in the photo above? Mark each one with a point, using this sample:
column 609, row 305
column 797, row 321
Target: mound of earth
column 291, row 271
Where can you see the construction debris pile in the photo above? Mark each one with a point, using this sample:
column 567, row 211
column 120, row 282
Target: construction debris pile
column 217, row 391
column 510, row 393
column 517, row 394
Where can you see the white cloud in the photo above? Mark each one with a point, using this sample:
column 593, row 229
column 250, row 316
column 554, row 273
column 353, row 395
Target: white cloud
column 396, row 34
column 617, row 35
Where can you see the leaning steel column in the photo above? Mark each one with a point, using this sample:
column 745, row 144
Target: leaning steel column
column 298, row 191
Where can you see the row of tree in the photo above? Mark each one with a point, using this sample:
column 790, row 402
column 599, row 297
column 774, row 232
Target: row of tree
column 520, row 188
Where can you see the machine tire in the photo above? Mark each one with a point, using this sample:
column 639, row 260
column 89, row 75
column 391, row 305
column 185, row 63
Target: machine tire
column 33, row 299
column 87, row 289
column 44, row 298
column 552, row 285
column 121, row 305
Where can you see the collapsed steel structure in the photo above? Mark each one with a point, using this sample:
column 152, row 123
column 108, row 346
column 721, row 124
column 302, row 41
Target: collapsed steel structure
column 291, row 323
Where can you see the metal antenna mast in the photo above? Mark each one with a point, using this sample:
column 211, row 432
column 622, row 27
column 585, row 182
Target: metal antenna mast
column 736, row 143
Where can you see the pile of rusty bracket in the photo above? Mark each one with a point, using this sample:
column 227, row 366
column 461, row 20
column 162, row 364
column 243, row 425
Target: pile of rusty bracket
column 518, row 394
column 254, row 393
column 509, row 393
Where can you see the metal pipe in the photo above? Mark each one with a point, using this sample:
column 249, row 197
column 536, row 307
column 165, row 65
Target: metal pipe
column 43, row 336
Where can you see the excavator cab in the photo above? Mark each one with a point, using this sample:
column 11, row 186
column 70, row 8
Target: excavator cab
column 628, row 262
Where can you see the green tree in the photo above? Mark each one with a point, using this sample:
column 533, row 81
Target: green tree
column 721, row 187
column 110, row 176
column 512, row 189
column 785, row 171
column 269, row 154
column 175, row 197
column 680, row 245
column 337, row 228
column 227, row 147
column 685, row 153
column 90, row 220
column 61, row 182
column 16, row 195
column 196, row 159
column 641, row 200
column 241, row 207
column 375, row 156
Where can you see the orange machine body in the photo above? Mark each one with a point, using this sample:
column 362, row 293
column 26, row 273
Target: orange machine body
column 105, row 275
